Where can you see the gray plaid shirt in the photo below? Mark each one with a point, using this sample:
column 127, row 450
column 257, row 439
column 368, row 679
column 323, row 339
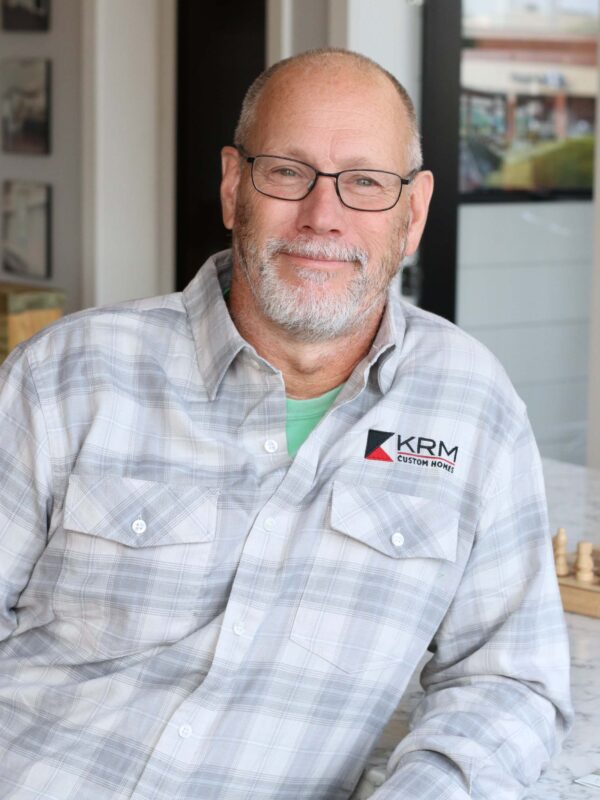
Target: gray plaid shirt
column 186, row 612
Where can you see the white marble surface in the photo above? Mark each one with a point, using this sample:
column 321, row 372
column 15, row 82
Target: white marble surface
column 574, row 504
column 573, row 500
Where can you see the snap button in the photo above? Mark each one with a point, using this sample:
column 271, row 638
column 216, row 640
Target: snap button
column 397, row 539
column 185, row 731
column 138, row 526
column 271, row 446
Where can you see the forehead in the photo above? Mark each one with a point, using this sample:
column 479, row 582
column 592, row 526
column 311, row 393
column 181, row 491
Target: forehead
column 336, row 115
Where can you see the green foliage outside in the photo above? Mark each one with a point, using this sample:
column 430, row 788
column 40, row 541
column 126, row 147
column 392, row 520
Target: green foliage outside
column 566, row 164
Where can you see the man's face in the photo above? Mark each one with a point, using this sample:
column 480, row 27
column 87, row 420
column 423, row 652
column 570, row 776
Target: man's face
column 316, row 268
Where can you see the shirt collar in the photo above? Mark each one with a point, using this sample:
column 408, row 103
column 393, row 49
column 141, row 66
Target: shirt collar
column 387, row 345
column 218, row 342
column 215, row 336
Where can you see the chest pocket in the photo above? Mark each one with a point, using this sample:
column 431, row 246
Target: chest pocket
column 377, row 590
column 135, row 555
column 139, row 513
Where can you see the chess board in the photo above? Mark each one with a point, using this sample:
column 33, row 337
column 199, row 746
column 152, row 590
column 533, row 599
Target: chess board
column 577, row 597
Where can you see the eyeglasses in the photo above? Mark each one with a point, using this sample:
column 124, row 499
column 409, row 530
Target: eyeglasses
column 360, row 189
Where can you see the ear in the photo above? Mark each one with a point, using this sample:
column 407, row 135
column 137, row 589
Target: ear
column 420, row 192
column 230, row 178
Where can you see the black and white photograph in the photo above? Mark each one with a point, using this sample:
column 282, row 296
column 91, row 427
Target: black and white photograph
column 25, row 15
column 25, row 106
column 26, row 215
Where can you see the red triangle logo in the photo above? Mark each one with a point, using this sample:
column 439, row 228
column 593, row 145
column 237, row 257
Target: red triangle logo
column 379, row 454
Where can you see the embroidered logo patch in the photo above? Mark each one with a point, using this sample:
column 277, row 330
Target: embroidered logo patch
column 419, row 450
column 375, row 450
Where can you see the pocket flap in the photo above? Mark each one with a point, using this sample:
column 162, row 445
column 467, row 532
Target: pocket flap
column 398, row 525
column 140, row 513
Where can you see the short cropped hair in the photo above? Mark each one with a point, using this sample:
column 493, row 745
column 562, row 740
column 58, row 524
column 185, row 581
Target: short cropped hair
column 328, row 55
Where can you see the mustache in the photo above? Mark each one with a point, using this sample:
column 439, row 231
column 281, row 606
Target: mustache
column 324, row 249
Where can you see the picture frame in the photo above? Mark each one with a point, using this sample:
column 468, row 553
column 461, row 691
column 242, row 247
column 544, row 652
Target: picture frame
column 25, row 15
column 25, row 106
column 26, row 211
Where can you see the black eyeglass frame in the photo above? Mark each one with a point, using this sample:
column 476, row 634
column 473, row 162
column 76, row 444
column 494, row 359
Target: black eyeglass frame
column 251, row 159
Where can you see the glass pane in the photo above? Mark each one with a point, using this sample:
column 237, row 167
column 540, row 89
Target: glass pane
column 528, row 91
column 528, row 95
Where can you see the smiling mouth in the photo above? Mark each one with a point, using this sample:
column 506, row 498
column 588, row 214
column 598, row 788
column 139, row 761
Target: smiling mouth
column 318, row 262
column 318, row 255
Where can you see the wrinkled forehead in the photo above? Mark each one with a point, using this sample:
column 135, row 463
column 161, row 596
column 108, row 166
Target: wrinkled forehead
column 335, row 103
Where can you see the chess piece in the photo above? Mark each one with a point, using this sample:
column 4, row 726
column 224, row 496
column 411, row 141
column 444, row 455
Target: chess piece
column 584, row 564
column 559, row 543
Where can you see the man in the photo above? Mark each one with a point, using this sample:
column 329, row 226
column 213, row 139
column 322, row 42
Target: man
column 235, row 520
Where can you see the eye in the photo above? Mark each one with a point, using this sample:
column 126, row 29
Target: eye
column 364, row 180
column 361, row 180
column 285, row 171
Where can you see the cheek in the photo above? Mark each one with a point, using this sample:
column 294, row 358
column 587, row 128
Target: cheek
column 263, row 219
column 382, row 237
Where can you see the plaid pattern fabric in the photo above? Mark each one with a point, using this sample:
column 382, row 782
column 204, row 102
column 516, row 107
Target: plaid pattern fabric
column 188, row 613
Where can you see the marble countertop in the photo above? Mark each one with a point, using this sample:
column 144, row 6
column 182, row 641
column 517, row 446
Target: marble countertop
column 573, row 494
column 574, row 504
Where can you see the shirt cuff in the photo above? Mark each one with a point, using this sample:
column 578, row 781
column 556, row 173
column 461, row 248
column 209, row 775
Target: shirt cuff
column 424, row 776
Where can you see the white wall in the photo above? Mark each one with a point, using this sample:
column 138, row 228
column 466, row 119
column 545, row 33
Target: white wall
column 593, row 453
column 388, row 31
column 62, row 168
column 524, row 272
column 128, row 148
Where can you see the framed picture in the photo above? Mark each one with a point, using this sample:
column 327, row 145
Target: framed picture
column 25, row 15
column 26, row 228
column 25, row 106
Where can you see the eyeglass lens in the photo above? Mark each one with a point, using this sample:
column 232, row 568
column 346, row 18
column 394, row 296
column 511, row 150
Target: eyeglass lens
column 292, row 180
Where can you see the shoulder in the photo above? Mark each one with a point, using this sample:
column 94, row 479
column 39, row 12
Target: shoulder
column 110, row 341
column 134, row 324
column 457, row 370
column 433, row 340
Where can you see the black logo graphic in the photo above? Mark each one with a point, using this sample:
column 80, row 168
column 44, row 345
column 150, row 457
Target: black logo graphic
column 421, row 451
column 374, row 450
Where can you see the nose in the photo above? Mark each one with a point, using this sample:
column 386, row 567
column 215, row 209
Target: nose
column 321, row 211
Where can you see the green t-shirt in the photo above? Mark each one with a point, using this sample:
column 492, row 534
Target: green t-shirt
column 302, row 416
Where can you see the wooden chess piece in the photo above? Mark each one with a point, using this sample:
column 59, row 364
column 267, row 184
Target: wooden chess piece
column 584, row 564
column 560, row 553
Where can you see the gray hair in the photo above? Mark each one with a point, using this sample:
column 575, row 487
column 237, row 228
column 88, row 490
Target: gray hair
column 325, row 56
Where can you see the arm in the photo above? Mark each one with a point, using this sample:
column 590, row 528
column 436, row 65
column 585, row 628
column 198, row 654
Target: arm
column 496, row 703
column 25, row 483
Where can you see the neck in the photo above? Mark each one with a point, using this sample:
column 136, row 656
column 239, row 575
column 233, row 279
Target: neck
column 309, row 369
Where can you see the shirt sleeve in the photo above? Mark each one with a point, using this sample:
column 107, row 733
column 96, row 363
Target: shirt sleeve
column 497, row 700
column 25, row 484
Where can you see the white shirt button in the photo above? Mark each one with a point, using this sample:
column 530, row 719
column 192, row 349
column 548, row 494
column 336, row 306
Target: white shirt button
column 138, row 526
column 397, row 539
column 269, row 524
column 239, row 628
column 271, row 446
column 185, row 731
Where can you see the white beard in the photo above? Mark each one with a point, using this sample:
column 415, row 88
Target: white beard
column 309, row 311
